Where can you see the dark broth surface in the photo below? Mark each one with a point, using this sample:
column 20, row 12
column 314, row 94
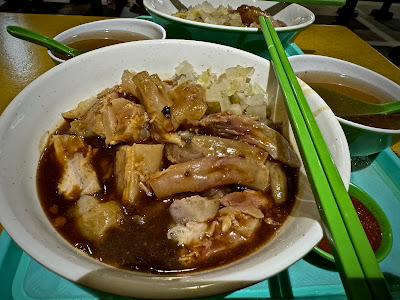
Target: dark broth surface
column 335, row 90
column 99, row 39
column 369, row 223
column 140, row 246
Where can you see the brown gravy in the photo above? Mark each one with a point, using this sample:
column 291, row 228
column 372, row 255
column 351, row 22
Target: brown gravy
column 99, row 39
column 143, row 247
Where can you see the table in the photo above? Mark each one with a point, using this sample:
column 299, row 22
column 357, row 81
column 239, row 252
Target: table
column 21, row 62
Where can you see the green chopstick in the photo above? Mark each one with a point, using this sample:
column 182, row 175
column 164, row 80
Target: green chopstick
column 356, row 262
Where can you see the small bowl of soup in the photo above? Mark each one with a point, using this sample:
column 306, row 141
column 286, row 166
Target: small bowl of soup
column 374, row 221
column 98, row 34
column 336, row 81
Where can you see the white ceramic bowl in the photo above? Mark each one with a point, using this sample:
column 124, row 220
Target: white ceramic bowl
column 295, row 16
column 36, row 110
column 363, row 140
column 145, row 27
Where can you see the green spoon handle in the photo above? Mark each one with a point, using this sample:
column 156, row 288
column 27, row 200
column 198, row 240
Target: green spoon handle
column 391, row 107
column 40, row 39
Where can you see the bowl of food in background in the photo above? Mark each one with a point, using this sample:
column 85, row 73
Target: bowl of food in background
column 341, row 83
column 233, row 23
column 136, row 168
column 374, row 221
column 97, row 34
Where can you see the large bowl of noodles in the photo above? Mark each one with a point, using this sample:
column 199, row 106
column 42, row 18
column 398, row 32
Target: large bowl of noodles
column 193, row 27
column 28, row 124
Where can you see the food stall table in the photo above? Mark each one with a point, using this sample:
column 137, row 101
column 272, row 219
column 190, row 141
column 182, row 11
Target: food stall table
column 312, row 277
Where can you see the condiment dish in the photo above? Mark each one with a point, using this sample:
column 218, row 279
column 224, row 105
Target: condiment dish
column 24, row 128
column 145, row 28
column 363, row 140
column 384, row 225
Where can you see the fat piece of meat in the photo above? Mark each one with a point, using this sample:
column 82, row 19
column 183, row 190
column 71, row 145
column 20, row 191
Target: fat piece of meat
column 82, row 108
column 132, row 166
column 124, row 121
column 250, row 15
column 193, row 209
column 246, row 198
column 204, row 173
column 127, row 84
column 90, row 124
column 110, row 117
column 248, row 129
column 94, row 218
column 78, row 175
column 231, row 227
column 189, row 102
column 157, row 102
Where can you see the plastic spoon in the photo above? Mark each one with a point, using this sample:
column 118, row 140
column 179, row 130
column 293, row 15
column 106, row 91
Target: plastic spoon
column 354, row 107
column 42, row 40
column 366, row 108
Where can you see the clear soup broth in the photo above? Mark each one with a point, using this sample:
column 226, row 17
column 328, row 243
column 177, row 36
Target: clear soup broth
column 99, row 39
column 336, row 89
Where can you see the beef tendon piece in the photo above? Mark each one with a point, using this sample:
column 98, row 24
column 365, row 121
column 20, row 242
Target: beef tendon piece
column 95, row 218
column 78, row 175
column 204, row 145
column 279, row 187
column 132, row 166
column 204, row 173
column 250, row 130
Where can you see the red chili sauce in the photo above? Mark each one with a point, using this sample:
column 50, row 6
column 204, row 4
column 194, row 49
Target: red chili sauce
column 369, row 223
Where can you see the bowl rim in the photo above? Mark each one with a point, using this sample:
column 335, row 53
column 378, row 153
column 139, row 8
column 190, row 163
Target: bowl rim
column 363, row 69
column 67, row 33
column 378, row 213
column 201, row 25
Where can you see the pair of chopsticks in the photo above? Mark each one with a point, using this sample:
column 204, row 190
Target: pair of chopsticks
column 354, row 257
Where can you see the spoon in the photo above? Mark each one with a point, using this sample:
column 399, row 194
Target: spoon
column 365, row 108
column 354, row 107
column 42, row 40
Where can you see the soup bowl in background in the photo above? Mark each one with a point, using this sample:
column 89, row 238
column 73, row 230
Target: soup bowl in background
column 143, row 28
column 363, row 140
column 295, row 16
column 35, row 113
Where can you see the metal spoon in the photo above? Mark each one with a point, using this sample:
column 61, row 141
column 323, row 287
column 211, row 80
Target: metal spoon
column 42, row 40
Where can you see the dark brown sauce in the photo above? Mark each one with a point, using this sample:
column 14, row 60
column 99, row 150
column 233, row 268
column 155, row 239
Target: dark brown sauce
column 99, row 39
column 132, row 245
column 335, row 90
column 369, row 223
